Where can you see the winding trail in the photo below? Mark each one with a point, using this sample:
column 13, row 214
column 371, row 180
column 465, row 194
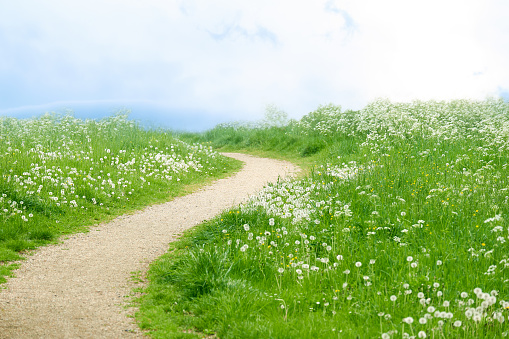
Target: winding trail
column 79, row 288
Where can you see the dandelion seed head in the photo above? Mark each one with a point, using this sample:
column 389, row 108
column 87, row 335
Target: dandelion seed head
column 408, row 320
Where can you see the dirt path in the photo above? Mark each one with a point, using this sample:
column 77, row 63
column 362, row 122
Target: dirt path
column 78, row 289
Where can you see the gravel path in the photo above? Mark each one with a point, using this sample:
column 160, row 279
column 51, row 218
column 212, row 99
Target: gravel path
column 79, row 288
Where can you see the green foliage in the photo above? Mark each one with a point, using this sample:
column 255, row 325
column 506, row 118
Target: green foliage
column 399, row 230
column 312, row 147
column 6, row 270
column 7, row 254
column 59, row 173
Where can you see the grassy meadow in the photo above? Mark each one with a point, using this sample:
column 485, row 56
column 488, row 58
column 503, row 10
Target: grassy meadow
column 59, row 174
column 398, row 230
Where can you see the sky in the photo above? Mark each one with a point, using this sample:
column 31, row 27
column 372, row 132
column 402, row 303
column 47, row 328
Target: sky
column 189, row 64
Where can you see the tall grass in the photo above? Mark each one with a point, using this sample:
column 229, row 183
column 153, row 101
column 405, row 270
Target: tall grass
column 307, row 137
column 400, row 230
column 59, row 173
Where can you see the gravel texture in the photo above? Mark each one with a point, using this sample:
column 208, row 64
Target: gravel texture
column 80, row 287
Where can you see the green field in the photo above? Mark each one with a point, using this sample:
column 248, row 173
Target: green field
column 59, row 174
column 398, row 230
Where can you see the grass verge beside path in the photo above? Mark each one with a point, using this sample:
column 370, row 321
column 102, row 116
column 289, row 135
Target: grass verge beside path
column 400, row 230
column 60, row 174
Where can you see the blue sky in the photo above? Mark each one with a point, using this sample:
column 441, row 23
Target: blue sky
column 192, row 63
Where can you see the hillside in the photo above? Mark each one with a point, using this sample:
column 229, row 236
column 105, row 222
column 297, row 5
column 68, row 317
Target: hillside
column 399, row 229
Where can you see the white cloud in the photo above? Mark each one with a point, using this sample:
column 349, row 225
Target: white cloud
column 425, row 50
column 236, row 56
